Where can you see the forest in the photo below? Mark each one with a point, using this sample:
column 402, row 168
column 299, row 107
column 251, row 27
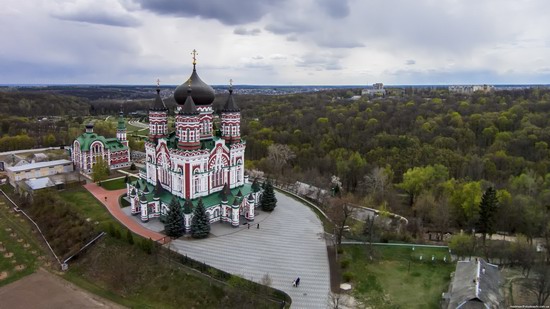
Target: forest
column 429, row 155
column 426, row 154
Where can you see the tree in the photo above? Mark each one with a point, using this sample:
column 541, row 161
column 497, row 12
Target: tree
column 540, row 284
column 462, row 245
column 279, row 155
column 268, row 200
column 487, row 213
column 129, row 237
column 419, row 179
column 174, row 224
column 200, row 224
column 339, row 212
column 100, row 170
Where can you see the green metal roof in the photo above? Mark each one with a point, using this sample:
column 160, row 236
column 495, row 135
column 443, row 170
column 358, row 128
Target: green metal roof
column 208, row 201
column 86, row 140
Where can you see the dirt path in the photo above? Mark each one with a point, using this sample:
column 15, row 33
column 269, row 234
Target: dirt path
column 45, row 290
column 109, row 198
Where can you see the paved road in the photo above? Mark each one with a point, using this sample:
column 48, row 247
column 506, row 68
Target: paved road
column 111, row 203
column 287, row 245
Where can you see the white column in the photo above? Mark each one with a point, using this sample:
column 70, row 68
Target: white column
column 144, row 214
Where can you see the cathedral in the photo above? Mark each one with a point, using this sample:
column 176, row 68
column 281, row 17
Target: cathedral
column 202, row 158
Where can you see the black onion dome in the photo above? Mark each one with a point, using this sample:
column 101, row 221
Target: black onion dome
column 158, row 104
column 202, row 94
column 230, row 105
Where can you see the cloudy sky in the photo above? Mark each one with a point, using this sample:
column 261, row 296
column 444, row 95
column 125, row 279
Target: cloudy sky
column 298, row 42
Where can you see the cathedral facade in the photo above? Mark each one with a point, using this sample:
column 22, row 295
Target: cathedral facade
column 90, row 147
column 195, row 160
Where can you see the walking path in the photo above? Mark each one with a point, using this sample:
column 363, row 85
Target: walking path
column 114, row 208
column 288, row 244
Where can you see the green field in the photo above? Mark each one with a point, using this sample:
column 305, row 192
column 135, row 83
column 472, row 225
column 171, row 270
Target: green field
column 88, row 206
column 115, row 184
column 396, row 277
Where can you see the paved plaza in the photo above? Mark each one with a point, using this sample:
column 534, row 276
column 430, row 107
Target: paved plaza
column 287, row 245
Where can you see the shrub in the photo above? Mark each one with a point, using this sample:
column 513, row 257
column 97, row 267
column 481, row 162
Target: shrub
column 344, row 263
column 129, row 237
column 133, row 167
column 347, row 276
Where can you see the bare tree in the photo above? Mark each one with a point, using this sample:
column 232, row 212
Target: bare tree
column 334, row 300
column 377, row 180
column 279, row 155
column 540, row 284
column 339, row 212
column 266, row 280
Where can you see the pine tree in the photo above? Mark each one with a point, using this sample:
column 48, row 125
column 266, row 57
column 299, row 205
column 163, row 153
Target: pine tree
column 268, row 200
column 200, row 224
column 174, row 225
column 487, row 211
column 129, row 237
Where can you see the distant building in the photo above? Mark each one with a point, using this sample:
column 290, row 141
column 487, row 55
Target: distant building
column 376, row 90
column 38, row 170
column 89, row 147
column 475, row 284
column 469, row 89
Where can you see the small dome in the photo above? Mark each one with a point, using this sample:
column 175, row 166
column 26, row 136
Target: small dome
column 202, row 93
column 158, row 104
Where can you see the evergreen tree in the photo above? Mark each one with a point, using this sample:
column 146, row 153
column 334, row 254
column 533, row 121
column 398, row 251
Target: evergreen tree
column 487, row 212
column 129, row 237
column 268, row 200
column 174, row 225
column 200, row 224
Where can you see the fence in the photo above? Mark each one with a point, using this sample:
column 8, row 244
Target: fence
column 17, row 209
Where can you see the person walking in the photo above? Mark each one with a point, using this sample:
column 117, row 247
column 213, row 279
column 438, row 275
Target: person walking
column 258, row 226
column 294, row 283
column 297, row 281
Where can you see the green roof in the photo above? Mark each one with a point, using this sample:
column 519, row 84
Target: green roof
column 86, row 140
column 208, row 201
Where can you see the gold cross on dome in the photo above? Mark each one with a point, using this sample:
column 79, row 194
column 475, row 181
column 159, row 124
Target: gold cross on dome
column 158, row 82
column 194, row 53
column 231, row 83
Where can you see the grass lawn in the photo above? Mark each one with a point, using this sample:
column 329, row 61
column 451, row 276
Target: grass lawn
column 18, row 248
column 115, row 184
column 87, row 205
column 396, row 277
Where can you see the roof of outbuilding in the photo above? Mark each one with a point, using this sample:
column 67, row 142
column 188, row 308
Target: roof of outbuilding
column 476, row 283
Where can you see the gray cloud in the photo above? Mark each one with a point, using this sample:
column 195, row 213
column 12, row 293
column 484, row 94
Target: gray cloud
column 103, row 12
column 335, row 8
column 244, row 31
column 102, row 19
column 320, row 61
column 228, row 12
column 410, row 62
